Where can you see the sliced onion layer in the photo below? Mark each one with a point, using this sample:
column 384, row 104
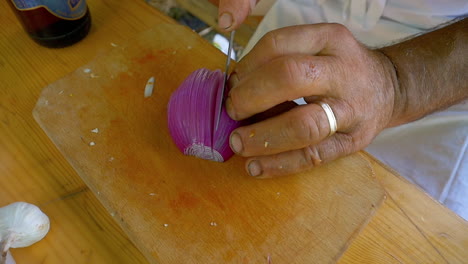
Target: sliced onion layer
column 192, row 113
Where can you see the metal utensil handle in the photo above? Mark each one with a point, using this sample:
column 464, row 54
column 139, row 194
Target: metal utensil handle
column 228, row 63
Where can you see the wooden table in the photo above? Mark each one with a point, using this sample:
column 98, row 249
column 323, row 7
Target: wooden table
column 409, row 227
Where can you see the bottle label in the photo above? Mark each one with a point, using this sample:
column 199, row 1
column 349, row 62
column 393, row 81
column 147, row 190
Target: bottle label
column 66, row 9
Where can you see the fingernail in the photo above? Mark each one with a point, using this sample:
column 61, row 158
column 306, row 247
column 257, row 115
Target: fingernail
column 236, row 143
column 233, row 80
column 229, row 108
column 255, row 169
column 225, row 21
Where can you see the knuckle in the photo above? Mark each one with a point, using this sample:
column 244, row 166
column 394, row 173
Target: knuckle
column 273, row 40
column 312, row 157
column 292, row 70
column 340, row 146
column 339, row 29
column 299, row 72
column 304, row 126
column 340, row 35
column 344, row 145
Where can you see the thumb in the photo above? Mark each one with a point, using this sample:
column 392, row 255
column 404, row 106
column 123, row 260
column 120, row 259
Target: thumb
column 232, row 13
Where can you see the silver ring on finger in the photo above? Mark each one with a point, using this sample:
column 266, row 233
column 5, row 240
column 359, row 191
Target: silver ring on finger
column 331, row 117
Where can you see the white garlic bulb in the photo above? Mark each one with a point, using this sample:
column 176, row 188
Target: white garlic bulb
column 9, row 259
column 21, row 225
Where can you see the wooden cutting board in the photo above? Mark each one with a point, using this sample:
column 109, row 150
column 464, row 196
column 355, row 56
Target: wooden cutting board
column 179, row 209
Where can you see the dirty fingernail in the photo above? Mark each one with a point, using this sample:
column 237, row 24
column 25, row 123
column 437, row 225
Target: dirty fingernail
column 255, row 169
column 225, row 21
column 236, row 143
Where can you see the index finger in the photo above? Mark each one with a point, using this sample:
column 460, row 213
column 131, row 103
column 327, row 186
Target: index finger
column 316, row 39
column 283, row 79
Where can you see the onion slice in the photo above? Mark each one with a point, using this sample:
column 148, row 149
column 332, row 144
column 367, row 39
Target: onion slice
column 191, row 117
column 149, row 87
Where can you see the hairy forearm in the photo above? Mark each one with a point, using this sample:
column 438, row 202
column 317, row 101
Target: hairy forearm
column 431, row 72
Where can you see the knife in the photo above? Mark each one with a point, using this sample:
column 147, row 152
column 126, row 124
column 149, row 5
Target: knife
column 228, row 62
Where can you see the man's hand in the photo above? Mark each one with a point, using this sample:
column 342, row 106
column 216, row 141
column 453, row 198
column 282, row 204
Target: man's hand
column 232, row 13
column 321, row 62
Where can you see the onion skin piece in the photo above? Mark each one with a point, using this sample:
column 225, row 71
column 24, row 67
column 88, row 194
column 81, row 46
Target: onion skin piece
column 192, row 116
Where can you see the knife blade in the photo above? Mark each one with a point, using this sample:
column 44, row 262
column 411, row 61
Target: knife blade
column 228, row 62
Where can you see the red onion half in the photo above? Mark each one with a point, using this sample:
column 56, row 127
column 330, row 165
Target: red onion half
column 192, row 114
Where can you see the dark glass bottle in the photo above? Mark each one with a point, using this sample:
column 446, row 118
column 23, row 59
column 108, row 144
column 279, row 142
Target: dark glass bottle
column 53, row 23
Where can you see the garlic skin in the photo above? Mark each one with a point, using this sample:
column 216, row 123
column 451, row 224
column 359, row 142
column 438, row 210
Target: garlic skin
column 21, row 225
column 9, row 259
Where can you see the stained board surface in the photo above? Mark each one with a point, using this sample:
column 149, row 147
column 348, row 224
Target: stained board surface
column 179, row 209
